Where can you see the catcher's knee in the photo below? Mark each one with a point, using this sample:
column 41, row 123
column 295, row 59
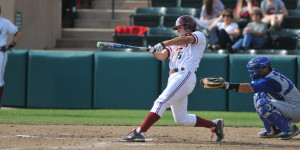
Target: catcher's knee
column 263, row 107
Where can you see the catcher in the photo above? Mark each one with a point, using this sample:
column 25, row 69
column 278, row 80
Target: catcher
column 276, row 99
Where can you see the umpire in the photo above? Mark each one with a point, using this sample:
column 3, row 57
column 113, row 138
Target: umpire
column 6, row 27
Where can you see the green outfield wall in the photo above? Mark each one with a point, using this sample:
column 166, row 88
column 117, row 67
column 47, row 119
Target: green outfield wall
column 116, row 80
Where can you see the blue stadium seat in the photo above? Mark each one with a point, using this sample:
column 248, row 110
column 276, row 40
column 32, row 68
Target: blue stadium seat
column 192, row 3
column 165, row 3
column 149, row 16
column 173, row 13
column 292, row 21
column 158, row 34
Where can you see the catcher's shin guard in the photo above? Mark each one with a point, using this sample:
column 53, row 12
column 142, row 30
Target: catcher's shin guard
column 272, row 115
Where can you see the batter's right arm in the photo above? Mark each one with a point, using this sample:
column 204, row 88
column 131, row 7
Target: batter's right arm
column 164, row 55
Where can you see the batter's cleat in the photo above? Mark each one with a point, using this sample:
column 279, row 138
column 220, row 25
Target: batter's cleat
column 133, row 136
column 290, row 134
column 219, row 129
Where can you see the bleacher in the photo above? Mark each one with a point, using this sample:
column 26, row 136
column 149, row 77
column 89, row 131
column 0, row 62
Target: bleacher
column 162, row 14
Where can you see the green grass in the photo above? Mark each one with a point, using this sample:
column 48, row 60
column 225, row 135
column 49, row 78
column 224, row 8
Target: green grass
column 115, row 117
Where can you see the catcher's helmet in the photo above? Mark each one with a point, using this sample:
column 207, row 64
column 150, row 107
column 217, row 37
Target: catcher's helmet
column 188, row 22
column 256, row 64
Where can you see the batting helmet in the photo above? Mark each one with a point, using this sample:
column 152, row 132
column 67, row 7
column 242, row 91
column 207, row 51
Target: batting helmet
column 188, row 22
column 256, row 65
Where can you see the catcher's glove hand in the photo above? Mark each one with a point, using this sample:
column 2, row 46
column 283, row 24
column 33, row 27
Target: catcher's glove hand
column 213, row 83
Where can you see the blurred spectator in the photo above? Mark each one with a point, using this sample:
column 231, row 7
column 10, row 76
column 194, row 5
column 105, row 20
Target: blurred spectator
column 274, row 12
column 241, row 12
column 211, row 10
column 222, row 34
column 255, row 33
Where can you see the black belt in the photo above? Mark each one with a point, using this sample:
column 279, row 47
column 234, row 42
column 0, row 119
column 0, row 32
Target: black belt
column 176, row 70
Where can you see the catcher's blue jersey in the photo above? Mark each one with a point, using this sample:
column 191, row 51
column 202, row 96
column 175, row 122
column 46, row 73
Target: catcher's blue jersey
column 278, row 87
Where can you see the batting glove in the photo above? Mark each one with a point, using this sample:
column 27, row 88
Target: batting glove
column 150, row 50
column 159, row 47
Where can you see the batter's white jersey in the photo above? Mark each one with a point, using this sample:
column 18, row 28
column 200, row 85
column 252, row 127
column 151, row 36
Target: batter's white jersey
column 182, row 82
column 188, row 56
column 6, row 27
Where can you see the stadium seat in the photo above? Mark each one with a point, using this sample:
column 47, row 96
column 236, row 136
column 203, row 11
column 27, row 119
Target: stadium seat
column 230, row 4
column 165, row 3
column 198, row 13
column 149, row 16
column 248, row 52
column 173, row 13
column 130, row 39
column 158, row 34
column 220, row 51
column 292, row 21
column 290, row 4
column 294, row 52
column 192, row 3
column 272, row 52
column 284, row 39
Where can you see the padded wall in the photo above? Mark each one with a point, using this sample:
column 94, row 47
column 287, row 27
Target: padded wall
column 15, row 78
column 125, row 80
column 239, row 74
column 60, row 79
column 200, row 98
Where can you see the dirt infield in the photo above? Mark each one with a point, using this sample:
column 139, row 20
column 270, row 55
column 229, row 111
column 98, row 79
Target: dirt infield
column 107, row 137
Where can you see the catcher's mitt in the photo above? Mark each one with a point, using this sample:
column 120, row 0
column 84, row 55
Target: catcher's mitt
column 213, row 83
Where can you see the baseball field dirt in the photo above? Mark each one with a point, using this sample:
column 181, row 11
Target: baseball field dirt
column 13, row 136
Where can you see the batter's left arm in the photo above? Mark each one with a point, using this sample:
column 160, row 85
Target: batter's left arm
column 16, row 38
column 182, row 40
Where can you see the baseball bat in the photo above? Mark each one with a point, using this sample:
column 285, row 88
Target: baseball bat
column 117, row 45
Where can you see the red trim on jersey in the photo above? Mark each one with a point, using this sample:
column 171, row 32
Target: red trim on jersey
column 169, row 52
column 195, row 37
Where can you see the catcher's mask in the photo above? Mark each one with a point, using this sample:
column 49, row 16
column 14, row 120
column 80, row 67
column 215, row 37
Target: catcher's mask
column 188, row 22
column 256, row 65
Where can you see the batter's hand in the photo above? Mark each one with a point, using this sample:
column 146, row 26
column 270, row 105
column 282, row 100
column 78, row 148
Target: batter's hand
column 150, row 50
column 159, row 47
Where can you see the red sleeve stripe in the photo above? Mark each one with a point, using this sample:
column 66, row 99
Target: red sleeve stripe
column 169, row 52
column 195, row 37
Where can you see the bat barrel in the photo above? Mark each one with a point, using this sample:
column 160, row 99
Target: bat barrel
column 117, row 45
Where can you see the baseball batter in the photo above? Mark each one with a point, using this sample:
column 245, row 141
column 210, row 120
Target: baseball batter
column 6, row 27
column 276, row 99
column 185, row 53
